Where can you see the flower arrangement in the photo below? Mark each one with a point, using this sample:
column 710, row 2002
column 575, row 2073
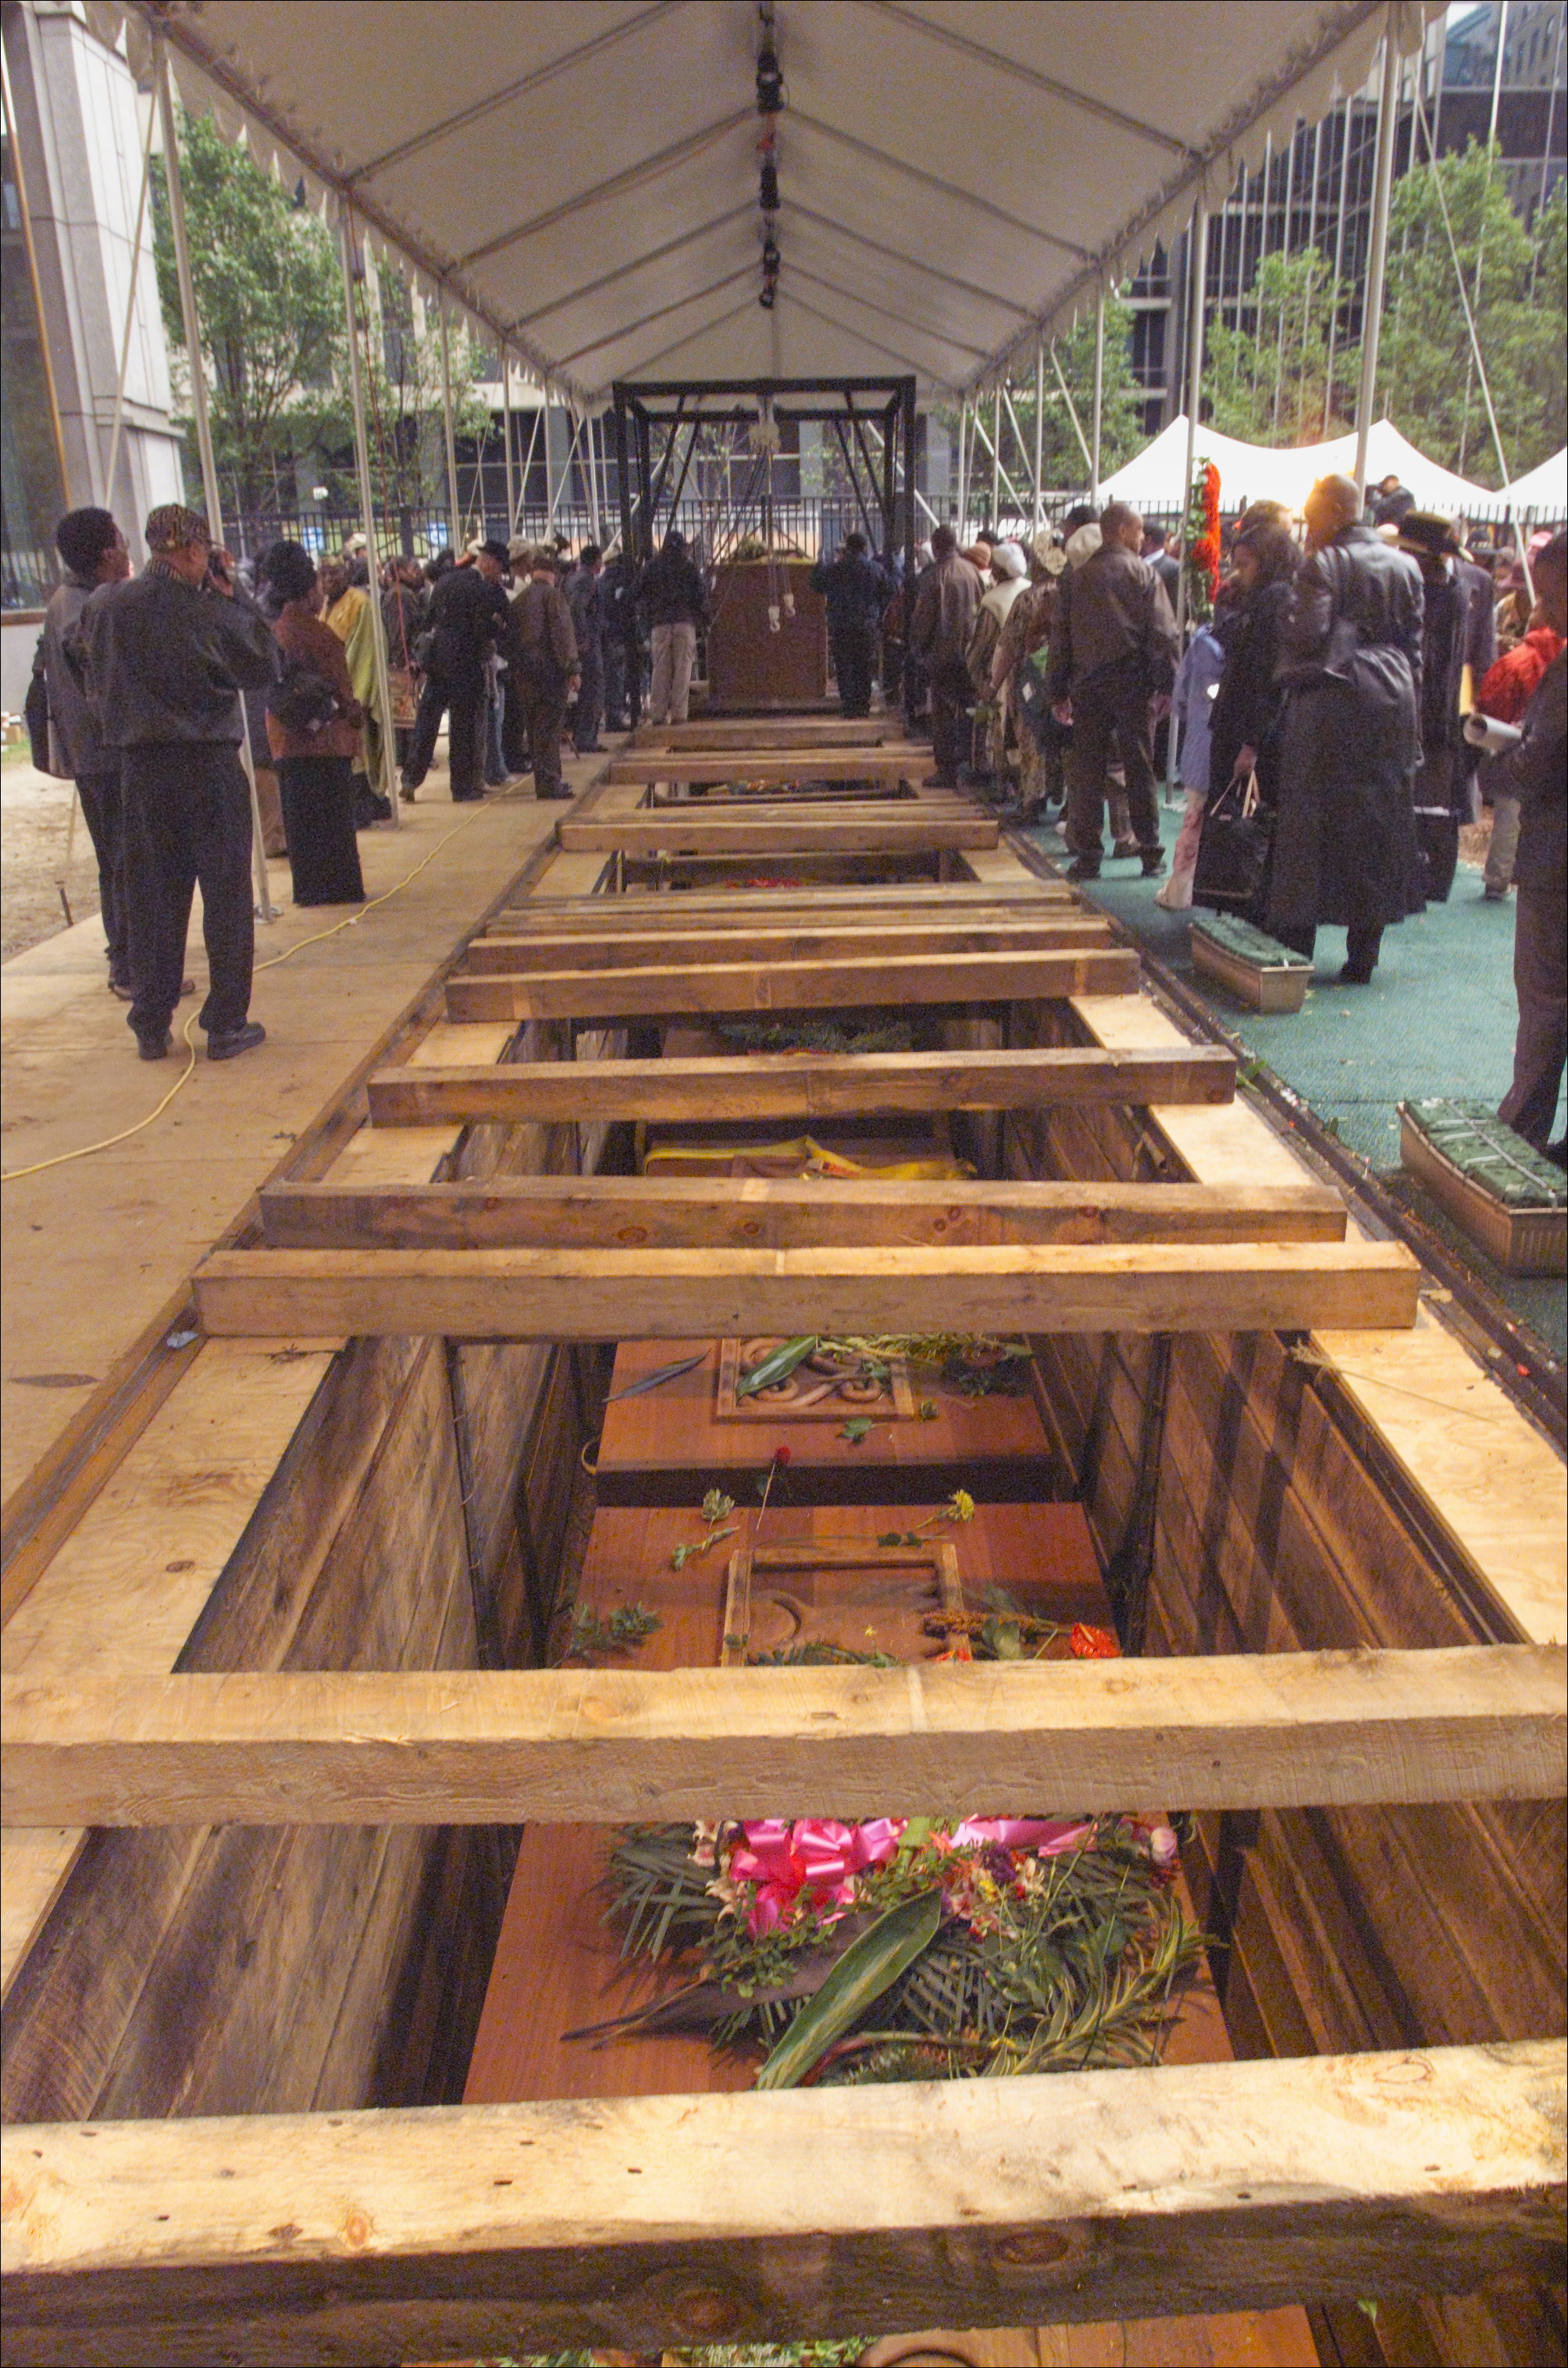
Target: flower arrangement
column 897, row 1948
column 1203, row 542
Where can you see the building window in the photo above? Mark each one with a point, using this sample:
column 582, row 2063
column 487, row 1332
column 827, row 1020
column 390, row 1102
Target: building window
column 32, row 486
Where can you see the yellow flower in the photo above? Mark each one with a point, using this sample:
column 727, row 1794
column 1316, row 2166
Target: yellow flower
column 962, row 1508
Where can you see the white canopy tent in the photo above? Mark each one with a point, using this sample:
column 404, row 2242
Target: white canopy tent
column 1153, row 478
column 1542, row 494
column 583, row 180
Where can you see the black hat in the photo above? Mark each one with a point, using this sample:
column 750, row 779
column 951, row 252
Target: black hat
column 1428, row 535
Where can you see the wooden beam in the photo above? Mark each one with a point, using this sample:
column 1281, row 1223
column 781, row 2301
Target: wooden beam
column 776, row 732
column 808, row 833
column 899, row 980
column 481, row 1747
column 779, row 908
column 679, row 941
column 457, row 2232
column 739, row 1213
column 910, row 761
column 649, row 1295
column 794, row 1085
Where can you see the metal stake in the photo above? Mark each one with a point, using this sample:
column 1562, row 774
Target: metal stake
column 367, row 508
column 188, row 315
column 1377, row 253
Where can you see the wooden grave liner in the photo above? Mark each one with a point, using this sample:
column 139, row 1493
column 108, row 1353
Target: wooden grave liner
column 262, row 2232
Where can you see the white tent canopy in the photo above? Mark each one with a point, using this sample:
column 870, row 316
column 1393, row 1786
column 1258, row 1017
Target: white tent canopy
column 583, row 179
column 1544, row 491
column 1152, row 480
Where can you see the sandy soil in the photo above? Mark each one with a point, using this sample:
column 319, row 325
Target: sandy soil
column 35, row 819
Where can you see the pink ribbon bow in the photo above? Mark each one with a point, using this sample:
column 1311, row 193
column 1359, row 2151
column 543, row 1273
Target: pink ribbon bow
column 1047, row 1837
column 817, row 1857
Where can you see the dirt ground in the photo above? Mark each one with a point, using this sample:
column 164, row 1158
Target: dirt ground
column 35, row 819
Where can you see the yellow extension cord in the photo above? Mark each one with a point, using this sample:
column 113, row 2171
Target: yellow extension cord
column 13, row 1175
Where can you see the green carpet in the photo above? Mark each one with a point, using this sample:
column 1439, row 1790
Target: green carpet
column 1438, row 1017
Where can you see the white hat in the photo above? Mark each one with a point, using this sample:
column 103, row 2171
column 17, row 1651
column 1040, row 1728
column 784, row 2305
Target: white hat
column 1007, row 560
column 1083, row 543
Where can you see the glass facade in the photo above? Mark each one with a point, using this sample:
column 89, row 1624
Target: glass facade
column 32, row 488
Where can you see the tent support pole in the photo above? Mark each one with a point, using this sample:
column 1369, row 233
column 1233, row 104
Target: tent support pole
column 1099, row 398
column 506, row 429
column 1378, row 251
column 1038, row 434
column 367, row 503
column 549, row 469
column 1284, row 257
column 963, row 469
column 451, row 440
column 1198, row 242
column 114, row 439
column 996, row 452
column 1071, row 410
column 214, row 498
column 1338, row 269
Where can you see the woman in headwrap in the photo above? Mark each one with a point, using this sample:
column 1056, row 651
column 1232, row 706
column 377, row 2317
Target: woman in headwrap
column 313, row 728
column 346, row 609
column 1008, row 573
column 1245, row 722
column 1022, row 645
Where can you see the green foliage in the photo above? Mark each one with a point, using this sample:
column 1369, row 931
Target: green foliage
column 1063, row 466
column 1426, row 381
column 628, row 1626
column 1267, row 381
column 867, row 1968
column 269, row 297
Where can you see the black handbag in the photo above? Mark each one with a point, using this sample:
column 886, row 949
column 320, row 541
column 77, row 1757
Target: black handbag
column 1233, row 855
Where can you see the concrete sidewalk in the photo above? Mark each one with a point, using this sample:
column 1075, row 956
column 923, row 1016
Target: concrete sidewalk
column 94, row 1248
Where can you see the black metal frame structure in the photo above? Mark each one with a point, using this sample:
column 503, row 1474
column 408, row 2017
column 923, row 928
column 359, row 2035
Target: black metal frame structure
column 651, row 416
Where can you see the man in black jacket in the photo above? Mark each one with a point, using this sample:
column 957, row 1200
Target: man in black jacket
column 672, row 596
column 466, row 618
column 165, row 658
column 93, row 550
column 855, row 589
column 1343, row 844
column 1113, row 652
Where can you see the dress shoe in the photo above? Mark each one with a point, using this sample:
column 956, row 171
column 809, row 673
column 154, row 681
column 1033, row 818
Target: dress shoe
column 1351, row 975
column 1084, row 867
column 1153, row 862
column 228, row 1043
column 117, row 986
column 1125, row 849
column 155, row 1048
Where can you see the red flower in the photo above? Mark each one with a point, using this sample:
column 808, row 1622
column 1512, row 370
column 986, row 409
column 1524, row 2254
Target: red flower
column 1086, row 1643
column 782, row 1455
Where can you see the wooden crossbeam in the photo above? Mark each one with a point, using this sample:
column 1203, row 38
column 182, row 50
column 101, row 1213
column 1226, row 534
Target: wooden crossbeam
column 482, row 1746
column 776, row 986
column 808, row 832
column 791, row 1084
column 911, row 762
column 460, row 2232
column 651, row 1294
column 910, row 901
column 739, row 1213
column 775, row 732
column 681, row 942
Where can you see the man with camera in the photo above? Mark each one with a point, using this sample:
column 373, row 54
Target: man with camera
column 165, row 655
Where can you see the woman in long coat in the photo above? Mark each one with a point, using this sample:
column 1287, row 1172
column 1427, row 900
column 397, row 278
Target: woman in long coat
column 1345, row 832
column 315, row 761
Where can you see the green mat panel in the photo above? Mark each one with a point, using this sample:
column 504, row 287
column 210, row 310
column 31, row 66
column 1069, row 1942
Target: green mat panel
column 1241, row 941
column 1474, row 1139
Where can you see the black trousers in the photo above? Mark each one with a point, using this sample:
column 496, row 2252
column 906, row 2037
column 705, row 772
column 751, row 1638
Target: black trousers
column 854, row 649
column 1540, row 1049
column 318, row 813
column 1363, row 942
column 544, row 706
column 100, row 793
column 186, row 819
column 1110, row 718
column 952, row 725
column 461, row 699
column 590, row 696
column 615, row 681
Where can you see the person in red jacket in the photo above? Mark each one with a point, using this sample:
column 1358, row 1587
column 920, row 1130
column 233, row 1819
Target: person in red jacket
column 1506, row 690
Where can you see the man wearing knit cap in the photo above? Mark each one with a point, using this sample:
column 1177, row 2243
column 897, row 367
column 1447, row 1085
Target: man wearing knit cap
column 165, row 655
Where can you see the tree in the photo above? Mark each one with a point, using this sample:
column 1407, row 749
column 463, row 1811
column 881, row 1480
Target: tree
column 269, row 301
column 403, row 397
column 1267, row 383
column 1514, row 277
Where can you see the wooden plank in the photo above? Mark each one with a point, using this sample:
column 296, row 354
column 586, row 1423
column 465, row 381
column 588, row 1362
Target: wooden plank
column 776, row 732
column 774, row 985
column 1468, row 1723
column 911, row 760
column 809, row 833
column 643, row 2221
column 651, row 1294
column 645, row 1211
column 791, row 1084
column 675, row 941
column 912, row 901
